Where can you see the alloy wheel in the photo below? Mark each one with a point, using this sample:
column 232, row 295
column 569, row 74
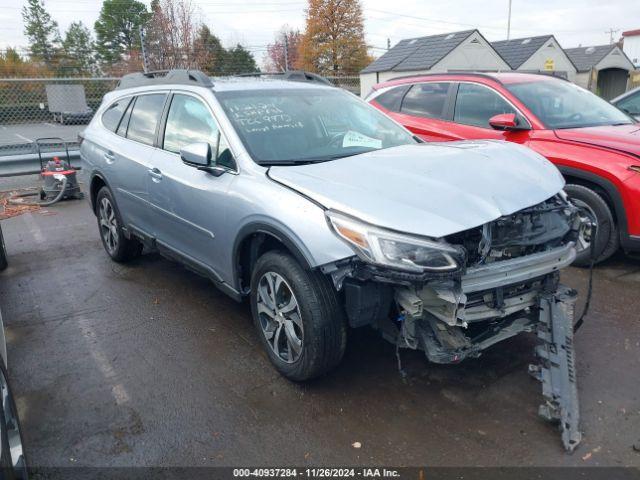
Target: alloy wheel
column 279, row 316
column 588, row 217
column 108, row 226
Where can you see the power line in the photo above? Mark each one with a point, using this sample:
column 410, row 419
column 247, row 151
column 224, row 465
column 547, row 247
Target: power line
column 611, row 32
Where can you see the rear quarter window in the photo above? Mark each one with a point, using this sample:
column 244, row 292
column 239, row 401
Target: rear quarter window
column 391, row 99
column 112, row 115
column 426, row 100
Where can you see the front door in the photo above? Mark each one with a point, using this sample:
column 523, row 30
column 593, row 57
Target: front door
column 474, row 106
column 189, row 205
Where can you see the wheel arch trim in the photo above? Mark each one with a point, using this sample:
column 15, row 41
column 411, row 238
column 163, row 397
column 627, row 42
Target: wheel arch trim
column 294, row 245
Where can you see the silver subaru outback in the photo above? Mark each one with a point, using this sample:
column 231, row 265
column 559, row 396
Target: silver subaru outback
column 327, row 215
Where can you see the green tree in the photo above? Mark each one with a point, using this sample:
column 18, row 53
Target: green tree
column 333, row 42
column 41, row 30
column 239, row 60
column 117, row 29
column 209, row 52
column 79, row 49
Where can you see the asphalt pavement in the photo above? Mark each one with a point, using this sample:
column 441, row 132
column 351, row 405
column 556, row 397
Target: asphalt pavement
column 149, row 365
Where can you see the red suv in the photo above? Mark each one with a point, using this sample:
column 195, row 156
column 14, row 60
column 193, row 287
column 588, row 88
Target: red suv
column 595, row 145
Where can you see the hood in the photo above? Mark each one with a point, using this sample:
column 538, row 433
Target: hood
column 619, row 137
column 431, row 189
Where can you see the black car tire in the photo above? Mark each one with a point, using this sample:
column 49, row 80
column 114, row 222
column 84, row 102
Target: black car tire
column 9, row 471
column 607, row 239
column 123, row 249
column 3, row 252
column 322, row 316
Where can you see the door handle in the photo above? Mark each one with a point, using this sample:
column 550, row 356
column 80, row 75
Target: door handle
column 109, row 157
column 155, row 174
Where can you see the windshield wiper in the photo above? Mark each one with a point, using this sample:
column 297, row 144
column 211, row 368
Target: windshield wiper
column 307, row 161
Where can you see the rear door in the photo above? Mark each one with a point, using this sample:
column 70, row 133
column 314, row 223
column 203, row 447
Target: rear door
column 132, row 162
column 189, row 205
column 425, row 109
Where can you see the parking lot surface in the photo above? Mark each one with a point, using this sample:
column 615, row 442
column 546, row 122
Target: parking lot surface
column 148, row 364
column 25, row 133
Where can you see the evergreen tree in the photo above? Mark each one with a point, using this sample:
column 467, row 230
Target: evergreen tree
column 239, row 60
column 79, row 49
column 42, row 32
column 209, row 53
column 118, row 28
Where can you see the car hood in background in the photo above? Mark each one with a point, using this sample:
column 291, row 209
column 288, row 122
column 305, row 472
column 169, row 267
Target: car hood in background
column 431, row 189
column 618, row 137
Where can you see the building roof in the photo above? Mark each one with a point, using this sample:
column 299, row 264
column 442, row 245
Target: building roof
column 631, row 33
column 516, row 51
column 585, row 58
column 418, row 53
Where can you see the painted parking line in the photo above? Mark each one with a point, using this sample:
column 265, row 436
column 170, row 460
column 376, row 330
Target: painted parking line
column 21, row 137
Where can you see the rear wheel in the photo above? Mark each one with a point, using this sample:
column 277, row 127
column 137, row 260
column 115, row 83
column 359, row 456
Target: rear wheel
column 298, row 317
column 593, row 207
column 120, row 248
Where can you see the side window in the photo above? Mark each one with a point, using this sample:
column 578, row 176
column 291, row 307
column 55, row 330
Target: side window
column 112, row 115
column 392, row 98
column 631, row 104
column 145, row 117
column 188, row 121
column 124, row 123
column 426, row 100
column 476, row 104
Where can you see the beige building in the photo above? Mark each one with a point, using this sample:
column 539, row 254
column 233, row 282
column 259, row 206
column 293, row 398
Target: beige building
column 457, row 51
column 603, row 69
column 536, row 54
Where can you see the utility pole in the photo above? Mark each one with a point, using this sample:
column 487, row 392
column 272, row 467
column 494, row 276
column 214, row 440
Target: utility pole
column 611, row 31
column 145, row 60
column 286, row 52
column 509, row 22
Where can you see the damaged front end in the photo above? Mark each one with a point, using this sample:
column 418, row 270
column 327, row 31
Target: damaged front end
column 475, row 289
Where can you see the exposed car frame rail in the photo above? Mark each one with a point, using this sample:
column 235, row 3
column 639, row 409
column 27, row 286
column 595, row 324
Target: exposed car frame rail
column 556, row 370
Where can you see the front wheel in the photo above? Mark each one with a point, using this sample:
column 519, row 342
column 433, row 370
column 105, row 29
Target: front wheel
column 298, row 317
column 594, row 208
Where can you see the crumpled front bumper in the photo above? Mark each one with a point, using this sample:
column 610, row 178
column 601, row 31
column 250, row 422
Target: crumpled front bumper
column 517, row 270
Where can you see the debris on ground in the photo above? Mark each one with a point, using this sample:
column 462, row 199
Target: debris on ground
column 356, row 445
column 8, row 210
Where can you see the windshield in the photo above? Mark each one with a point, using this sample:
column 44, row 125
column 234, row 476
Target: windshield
column 560, row 104
column 290, row 126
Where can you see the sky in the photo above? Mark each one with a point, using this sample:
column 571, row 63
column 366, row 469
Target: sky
column 254, row 22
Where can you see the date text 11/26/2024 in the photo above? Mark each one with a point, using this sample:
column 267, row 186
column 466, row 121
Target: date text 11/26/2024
column 363, row 472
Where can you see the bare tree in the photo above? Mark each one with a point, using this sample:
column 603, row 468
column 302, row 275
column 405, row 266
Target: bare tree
column 171, row 35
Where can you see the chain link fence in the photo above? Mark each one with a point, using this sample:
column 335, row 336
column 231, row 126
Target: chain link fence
column 59, row 100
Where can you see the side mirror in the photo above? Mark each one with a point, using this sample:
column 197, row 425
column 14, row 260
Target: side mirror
column 506, row 121
column 196, row 154
column 199, row 155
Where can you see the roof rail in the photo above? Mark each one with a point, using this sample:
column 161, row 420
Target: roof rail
column 292, row 76
column 453, row 73
column 159, row 77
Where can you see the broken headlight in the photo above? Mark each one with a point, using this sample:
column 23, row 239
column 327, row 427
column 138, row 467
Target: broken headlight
column 385, row 247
